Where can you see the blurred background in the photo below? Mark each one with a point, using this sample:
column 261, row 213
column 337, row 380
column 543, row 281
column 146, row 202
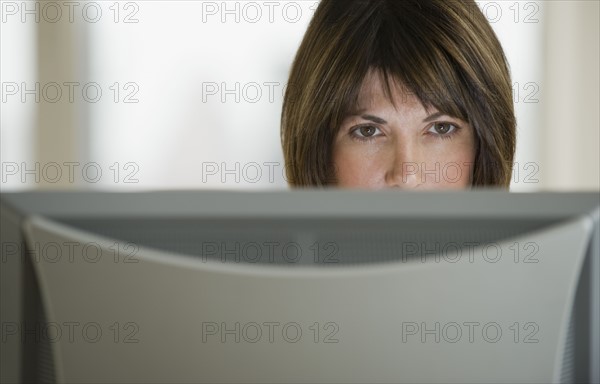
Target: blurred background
column 143, row 95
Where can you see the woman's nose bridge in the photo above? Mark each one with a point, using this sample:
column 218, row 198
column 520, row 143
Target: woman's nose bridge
column 405, row 165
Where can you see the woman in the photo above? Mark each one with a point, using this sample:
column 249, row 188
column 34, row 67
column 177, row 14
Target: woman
column 399, row 94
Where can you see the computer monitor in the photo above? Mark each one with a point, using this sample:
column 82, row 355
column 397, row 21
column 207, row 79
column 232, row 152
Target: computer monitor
column 300, row 286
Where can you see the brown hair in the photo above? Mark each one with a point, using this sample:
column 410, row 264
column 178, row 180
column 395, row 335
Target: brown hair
column 443, row 51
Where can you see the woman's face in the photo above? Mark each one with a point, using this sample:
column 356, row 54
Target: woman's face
column 379, row 146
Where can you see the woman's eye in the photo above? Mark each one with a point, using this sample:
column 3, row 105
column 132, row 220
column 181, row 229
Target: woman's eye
column 365, row 132
column 442, row 128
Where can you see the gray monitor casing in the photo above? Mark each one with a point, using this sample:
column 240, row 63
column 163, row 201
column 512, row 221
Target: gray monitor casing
column 378, row 286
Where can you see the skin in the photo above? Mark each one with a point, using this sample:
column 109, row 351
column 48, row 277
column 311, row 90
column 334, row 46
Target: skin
column 408, row 150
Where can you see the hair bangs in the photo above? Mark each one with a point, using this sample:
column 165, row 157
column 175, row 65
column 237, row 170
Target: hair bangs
column 419, row 66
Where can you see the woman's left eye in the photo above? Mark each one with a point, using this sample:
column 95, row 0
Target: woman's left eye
column 443, row 129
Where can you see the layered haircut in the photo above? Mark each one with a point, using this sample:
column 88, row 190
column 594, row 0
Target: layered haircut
column 444, row 52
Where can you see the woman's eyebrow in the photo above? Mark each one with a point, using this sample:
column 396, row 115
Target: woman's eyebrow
column 433, row 117
column 374, row 119
column 379, row 120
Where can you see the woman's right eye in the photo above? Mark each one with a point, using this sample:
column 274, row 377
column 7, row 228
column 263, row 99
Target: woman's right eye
column 364, row 133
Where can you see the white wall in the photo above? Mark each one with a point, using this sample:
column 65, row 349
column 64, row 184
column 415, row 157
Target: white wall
column 571, row 119
column 17, row 119
column 178, row 55
column 520, row 27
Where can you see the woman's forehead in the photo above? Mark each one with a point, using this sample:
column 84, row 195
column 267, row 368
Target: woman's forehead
column 373, row 92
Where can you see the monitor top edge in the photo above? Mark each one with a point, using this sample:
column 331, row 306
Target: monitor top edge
column 304, row 204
